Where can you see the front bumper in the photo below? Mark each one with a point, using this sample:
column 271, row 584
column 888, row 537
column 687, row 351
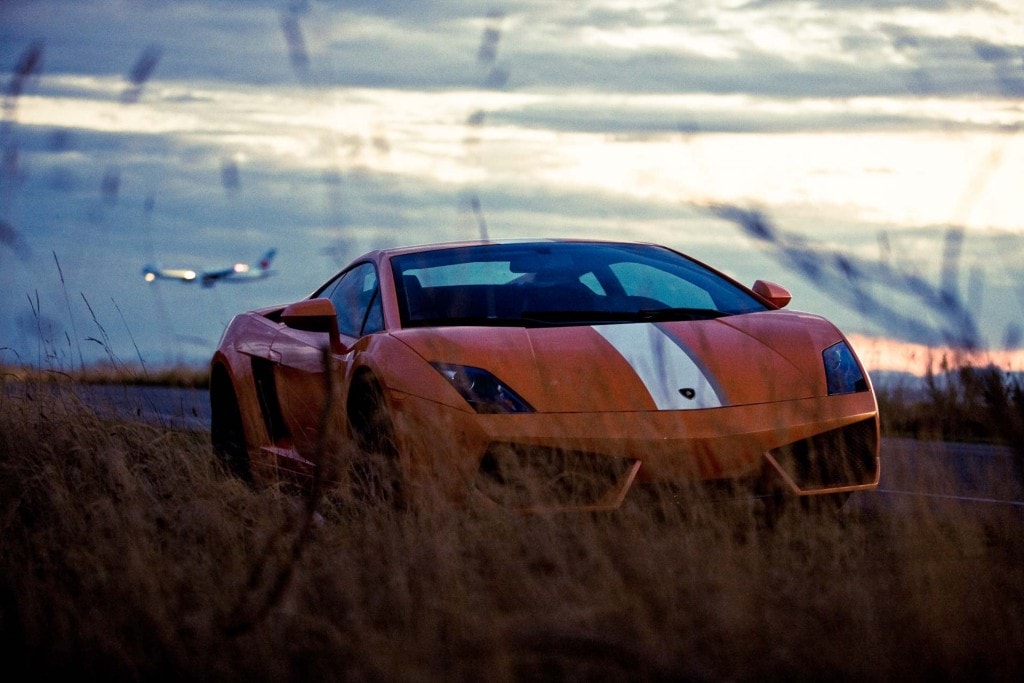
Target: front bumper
column 591, row 460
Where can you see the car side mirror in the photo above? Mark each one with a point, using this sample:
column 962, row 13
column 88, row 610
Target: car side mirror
column 775, row 294
column 314, row 315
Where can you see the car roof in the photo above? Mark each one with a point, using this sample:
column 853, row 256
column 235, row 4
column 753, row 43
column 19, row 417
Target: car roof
column 435, row 246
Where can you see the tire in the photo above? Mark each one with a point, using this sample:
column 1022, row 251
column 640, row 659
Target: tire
column 374, row 470
column 227, row 433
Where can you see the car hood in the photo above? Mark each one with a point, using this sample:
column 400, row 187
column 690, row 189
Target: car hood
column 735, row 360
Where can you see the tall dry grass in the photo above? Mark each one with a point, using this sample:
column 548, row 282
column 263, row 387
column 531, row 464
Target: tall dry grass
column 107, row 373
column 127, row 553
column 961, row 403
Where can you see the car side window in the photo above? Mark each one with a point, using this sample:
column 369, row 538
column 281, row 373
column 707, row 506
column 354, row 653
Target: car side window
column 356, row 297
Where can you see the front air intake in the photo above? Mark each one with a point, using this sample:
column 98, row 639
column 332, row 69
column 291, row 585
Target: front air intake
column 521, row 476
column 838, row 458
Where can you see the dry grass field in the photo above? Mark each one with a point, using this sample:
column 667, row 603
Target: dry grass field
column 127, row 553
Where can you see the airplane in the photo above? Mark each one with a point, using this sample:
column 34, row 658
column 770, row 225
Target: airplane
column 240, row 272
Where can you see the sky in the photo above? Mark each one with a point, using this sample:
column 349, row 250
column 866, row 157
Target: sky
column 866, row 154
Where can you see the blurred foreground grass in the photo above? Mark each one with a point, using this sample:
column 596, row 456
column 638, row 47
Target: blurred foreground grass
column 127, row 553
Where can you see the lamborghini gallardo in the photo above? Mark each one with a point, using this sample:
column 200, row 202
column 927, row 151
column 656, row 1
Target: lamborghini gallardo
column 544, row 375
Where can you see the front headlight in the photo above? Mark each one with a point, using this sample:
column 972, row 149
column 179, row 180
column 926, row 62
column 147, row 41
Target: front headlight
column 842, row 372
column 482, row 390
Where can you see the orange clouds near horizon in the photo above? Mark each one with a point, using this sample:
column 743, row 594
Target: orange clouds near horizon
column 879, row 354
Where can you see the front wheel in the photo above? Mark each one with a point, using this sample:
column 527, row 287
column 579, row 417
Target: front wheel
column 374, row 472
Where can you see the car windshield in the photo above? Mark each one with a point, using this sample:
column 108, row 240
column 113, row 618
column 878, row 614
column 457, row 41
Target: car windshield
column 560, row 283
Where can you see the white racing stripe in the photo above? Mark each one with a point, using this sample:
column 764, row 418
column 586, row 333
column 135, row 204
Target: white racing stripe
column 673, row 379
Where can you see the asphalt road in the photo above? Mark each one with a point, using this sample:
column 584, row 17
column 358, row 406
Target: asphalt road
column 173, row 407
column 912, row 471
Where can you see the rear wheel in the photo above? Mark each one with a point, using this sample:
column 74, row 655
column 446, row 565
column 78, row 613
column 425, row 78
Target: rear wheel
column 374, row 471
column 227, row 432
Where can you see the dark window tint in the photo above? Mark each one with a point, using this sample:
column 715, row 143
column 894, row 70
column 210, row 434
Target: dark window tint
column 535, row 283
column 356, row 297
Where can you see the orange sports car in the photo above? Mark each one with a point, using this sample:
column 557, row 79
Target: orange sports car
column 544, row 374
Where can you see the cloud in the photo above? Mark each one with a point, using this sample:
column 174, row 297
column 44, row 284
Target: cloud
column 200, row 132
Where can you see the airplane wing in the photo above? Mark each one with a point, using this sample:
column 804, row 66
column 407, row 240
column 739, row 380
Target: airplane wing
column 210, row 277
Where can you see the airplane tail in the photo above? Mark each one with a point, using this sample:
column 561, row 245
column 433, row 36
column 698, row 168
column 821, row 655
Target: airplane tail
column 267, row 258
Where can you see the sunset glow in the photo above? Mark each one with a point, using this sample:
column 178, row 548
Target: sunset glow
column 888, row 355
column 879, row 146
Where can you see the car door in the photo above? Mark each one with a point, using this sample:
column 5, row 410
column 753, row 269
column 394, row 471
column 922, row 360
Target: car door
column 303, row 356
